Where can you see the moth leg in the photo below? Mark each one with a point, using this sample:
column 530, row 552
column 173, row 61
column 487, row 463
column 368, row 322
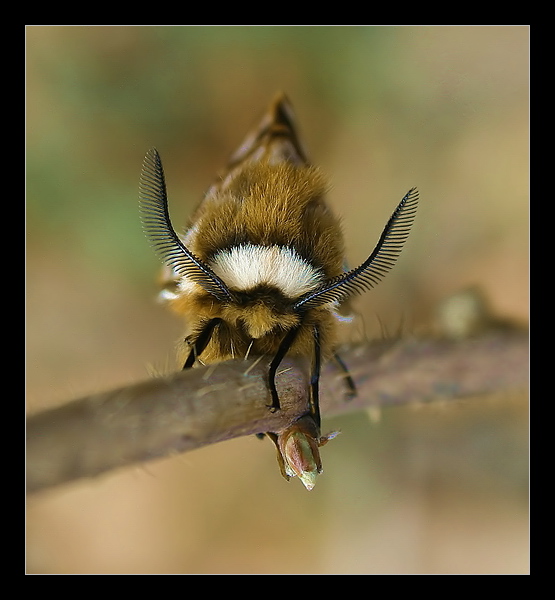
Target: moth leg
column 282, row 351
column 201, row 342
column 349, row 383
column 315, row 378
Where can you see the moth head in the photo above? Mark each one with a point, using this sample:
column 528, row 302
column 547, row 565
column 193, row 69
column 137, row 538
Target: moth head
column 264, row 281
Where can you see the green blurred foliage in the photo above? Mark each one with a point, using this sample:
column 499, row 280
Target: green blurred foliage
column 381, row 109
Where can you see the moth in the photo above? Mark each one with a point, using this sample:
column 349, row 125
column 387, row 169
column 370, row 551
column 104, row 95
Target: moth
column 260, row 268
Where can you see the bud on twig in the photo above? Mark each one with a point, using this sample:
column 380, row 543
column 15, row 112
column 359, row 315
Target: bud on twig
column 297, row 450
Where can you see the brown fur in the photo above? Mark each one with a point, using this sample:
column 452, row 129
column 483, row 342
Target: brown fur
column 272, row 204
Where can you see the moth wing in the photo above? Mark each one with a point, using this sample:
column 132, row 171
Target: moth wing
column 274, row 140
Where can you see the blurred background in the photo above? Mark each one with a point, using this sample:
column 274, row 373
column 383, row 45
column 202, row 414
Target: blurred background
column 435, row 489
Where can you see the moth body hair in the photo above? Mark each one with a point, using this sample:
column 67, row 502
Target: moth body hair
column 260, row 269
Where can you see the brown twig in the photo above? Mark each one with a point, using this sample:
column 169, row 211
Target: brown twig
column 203, row 406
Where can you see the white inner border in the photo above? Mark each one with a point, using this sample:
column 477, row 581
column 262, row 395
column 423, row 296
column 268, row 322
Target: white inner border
column 248, row 265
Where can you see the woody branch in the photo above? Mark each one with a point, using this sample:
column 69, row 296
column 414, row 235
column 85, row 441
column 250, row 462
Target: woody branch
column 193, row 408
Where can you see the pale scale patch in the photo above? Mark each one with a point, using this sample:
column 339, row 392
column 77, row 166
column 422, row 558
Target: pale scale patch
column 243, row 267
